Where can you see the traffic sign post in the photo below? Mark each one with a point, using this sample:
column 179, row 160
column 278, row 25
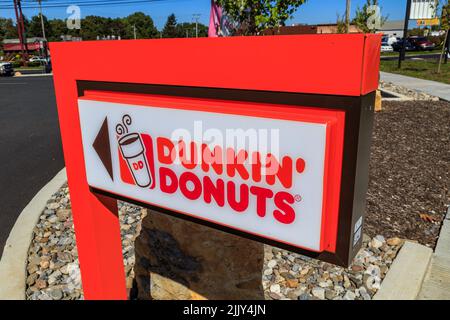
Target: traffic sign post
column 158, row 136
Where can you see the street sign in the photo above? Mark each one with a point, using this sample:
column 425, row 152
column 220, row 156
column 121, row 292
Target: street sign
column 423, row 9
column 428, row 22
column 271, row 144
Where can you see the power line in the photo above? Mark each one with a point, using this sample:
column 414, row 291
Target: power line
column 89, row 3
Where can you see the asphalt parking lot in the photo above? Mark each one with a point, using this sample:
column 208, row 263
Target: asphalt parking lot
column 30, row 144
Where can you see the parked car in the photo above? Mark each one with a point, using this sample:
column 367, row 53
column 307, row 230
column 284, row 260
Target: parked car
column 421, row 43
column 385, row 47
column 390, row 40
column 37, row 59
column 6, row 69
column 398, row 46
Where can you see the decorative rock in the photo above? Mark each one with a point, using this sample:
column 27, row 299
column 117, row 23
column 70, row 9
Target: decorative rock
column 268, row 272
column 318, row 293
column 330, row 294
column 349, row 295
column 272, row 264
column 55, row 294
column 275, row 288
column 394, row 241
column 304, row 296
column 292, row 283
column 41, row 284
column 274, row 296
column 357, row 268
column 377, row 242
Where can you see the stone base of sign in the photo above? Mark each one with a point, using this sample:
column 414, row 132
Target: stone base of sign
column 181, row 260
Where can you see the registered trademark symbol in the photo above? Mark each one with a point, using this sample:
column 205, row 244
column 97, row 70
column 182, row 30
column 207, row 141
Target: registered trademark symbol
column 298, row 198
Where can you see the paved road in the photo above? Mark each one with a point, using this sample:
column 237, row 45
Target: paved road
column 30, row 144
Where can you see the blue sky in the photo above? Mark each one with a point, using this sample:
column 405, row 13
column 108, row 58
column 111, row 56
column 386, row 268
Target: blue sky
column 314, row 11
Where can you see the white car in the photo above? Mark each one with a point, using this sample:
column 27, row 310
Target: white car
column 37, row 59
column 385, row 47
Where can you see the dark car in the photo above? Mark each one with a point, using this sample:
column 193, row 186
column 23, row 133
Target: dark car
column 397, row 46
column 421, row 43
column 6, row 69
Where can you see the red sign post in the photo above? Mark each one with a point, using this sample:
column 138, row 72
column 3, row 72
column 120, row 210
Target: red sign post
column 126, row 135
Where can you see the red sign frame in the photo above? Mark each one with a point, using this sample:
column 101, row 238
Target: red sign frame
column 294, row 74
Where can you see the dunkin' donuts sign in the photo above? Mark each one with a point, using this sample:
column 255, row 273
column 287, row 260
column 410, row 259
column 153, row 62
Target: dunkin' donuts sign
column 270, row 171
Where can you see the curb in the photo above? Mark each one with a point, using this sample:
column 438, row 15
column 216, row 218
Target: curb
column 437, row 281
column 404, row 279
column 34, row 75
column 15, row 254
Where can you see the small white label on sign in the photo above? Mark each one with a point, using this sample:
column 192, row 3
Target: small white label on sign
column 151, row 160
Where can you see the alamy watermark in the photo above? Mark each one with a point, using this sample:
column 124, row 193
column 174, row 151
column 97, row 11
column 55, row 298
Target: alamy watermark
column 245, row 143
column 73, row 22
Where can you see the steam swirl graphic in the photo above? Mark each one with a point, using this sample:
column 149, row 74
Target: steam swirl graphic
column 122, row 128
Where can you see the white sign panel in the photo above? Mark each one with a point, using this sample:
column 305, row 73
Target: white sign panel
column 256, row 174
column 423, row 9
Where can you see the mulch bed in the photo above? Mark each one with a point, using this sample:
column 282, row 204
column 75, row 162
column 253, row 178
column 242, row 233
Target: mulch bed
column 409, row 182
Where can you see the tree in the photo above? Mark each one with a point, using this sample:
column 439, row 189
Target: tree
column 255, row 16
column 35, row 26
column 142, row 24
column 368, row 18
column 187, row 29
column 58, row 28
column 170, row 28
column 445, row 16
column 341, row 25
column 7, row 29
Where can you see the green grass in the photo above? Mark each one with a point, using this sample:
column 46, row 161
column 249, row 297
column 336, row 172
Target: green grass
column 28, row 68
column 423, row 69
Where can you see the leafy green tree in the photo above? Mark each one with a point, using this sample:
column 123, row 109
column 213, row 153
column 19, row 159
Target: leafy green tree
column 187, row 29
column 445, row 16
column 145, row 28
column 170, row 28
column 368, row 19
column 254, row 16
column 93, row 27
column 35, row 26
column 341, row 24
column 58, row 28
column 7, row 29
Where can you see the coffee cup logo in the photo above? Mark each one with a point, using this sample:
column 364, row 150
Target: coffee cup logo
column 133, row 151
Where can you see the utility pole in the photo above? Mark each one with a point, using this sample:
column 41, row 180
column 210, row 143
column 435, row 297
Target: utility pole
column 21, row 31
column 134, row 31
column 347, row 16
column 196, row 16
column 43, row 31
column 401, row 56
column 42, row 20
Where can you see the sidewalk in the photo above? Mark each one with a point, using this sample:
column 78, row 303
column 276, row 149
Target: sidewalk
column 436, row 285
column 433, row 88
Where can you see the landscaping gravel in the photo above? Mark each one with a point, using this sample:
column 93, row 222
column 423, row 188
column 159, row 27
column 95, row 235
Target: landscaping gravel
column 53, row 268
column 413, row 94
column 54, row 274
